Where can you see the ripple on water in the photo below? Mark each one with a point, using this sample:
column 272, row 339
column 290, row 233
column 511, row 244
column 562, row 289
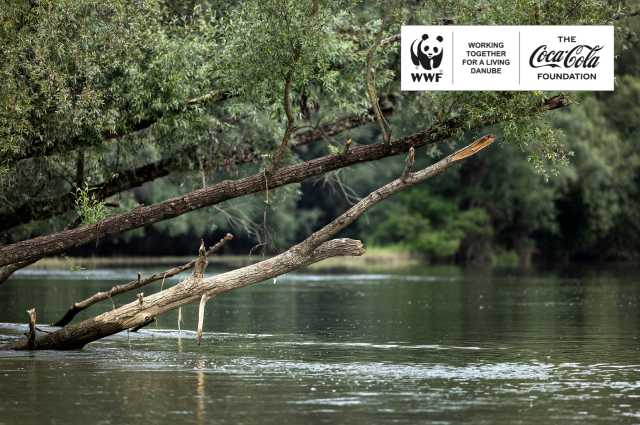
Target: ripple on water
column 377, row 371
column 361, row 278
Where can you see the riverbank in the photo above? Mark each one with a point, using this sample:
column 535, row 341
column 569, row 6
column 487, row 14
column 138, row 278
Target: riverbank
column 376, row 258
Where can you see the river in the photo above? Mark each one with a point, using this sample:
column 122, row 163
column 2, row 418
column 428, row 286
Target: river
column 428, row 345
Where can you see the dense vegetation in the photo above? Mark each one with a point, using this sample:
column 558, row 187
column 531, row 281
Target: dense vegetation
column 106, row 105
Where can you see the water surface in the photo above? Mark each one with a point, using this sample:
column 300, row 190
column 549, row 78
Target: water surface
column 430, row 345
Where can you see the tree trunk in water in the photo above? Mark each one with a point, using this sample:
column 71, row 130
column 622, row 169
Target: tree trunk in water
column 141, row 311
column 316, row 247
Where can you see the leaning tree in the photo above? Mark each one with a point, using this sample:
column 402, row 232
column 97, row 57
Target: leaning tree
column 221, row 100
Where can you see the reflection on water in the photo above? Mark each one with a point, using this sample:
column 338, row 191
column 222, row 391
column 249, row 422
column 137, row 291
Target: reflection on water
column 427, row 346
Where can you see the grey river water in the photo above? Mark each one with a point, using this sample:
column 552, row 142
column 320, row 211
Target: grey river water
column 430, row 345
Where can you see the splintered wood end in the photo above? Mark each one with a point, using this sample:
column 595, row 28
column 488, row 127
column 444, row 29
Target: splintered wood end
column 474, row 147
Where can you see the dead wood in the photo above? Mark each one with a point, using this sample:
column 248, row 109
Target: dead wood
column 316, row 247
column 134, row 284
column 31, row 335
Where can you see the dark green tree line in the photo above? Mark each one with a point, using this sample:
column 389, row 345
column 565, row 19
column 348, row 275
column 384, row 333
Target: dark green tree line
column 106, row 106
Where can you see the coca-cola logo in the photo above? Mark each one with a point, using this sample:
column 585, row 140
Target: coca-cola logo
column 580, row 56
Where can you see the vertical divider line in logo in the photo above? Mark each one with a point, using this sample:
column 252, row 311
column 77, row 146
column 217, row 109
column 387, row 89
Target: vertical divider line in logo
column 452, row 67
column 519, row 62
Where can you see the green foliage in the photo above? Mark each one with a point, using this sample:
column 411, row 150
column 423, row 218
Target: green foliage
column 75, row 73
column 88, row 207
column 426, row 224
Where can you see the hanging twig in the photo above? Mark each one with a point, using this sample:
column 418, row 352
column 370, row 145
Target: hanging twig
column 373, row 92
column 31, row 335
column 288, row 110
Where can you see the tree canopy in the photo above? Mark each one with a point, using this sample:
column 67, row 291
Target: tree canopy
column 109, row 105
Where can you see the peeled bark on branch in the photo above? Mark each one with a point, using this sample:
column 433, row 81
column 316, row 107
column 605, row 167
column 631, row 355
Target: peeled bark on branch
column 134, row 284
column 228, row 189
column 315, row 248
column 31, row 335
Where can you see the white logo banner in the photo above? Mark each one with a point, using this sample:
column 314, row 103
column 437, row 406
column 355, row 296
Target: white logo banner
column 567, row 58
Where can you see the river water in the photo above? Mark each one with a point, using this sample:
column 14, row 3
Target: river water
column 430, row 345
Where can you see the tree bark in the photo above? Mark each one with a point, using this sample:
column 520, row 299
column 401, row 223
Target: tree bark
column 315, row 248
column 228, row 189
column 8, row 270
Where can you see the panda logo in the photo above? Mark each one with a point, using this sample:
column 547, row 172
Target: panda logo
column 427, row 54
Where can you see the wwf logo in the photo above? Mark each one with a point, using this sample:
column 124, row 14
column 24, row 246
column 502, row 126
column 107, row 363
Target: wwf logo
column 428, row 52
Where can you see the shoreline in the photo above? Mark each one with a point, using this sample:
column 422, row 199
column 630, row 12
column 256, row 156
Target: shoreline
column 374, row 260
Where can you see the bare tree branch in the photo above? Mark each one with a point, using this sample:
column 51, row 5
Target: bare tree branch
column 288, row 110
column 315, row 248
column 229, row 189
column 79, row 306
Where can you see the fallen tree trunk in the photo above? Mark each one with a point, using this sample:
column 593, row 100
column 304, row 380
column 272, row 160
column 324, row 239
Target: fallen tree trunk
column 229, row 189
column 137, row 314
column 315, row 248
column 130, row 286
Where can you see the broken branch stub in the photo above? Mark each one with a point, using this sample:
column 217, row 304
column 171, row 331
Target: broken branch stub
column 473, row 148
column 201, row 262
column 31, row 335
